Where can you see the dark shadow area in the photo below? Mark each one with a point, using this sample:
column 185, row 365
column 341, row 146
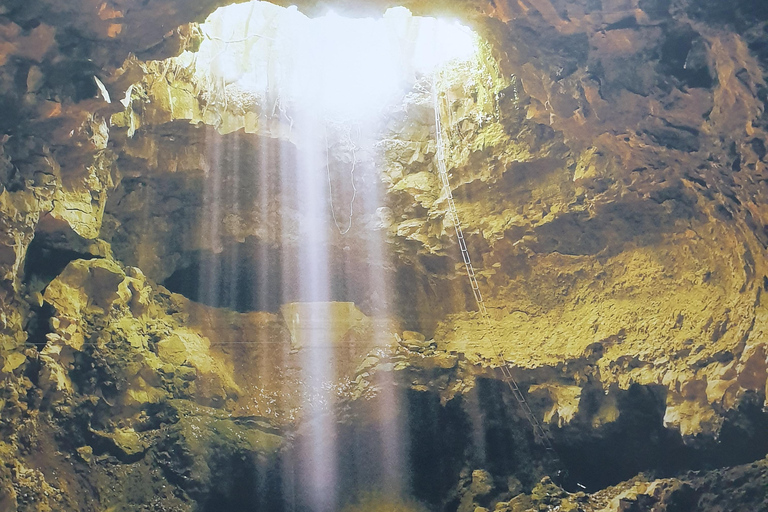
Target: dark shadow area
column 243, row 277
column 433, row 440
column 656, row 9
column 357, row 464
column 254, row 276
column 426, row 291
column 480, row 430
column 684, row 56
column 636, row 442
column 439, row 437
column 566, row 52
column 760, row 50
column 640, row 221
column 47, row 256
column 245, row 484
column 40, row 325
column 743, row 437
column 740, row 14
column 678, row 137
column 639, row 442
column 508, row 447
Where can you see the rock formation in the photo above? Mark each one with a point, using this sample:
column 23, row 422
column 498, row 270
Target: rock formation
column 606, row 160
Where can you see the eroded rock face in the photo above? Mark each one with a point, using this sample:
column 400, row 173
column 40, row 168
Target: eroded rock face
column 608, row 173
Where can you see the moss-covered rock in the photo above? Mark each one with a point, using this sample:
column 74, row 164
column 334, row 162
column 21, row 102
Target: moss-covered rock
column 606, row 160
column 203, row 444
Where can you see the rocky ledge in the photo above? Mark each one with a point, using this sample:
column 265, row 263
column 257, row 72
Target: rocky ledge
column 607, row 168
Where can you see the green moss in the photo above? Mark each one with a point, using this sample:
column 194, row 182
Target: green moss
column 547, row 493
column 137, row 486
column 204, row 440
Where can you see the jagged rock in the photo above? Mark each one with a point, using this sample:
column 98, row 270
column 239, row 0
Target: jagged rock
column 479, row 485
column 520, row 503
column 13, row 360
column 85, row 453
column 547, row 492
column 125, row 442
column 172, row 350
column 565, row 402
column 482, row 483
column 203, row 442
column 608, row 173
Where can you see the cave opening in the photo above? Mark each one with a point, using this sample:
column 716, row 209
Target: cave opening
column 355, row 105
column 439, row 437
column 293, row 203
column 636, row 442
column 47, row 255
column 342, row 69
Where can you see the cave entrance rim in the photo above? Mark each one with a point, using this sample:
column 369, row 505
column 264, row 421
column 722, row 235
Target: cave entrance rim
column 276, row 60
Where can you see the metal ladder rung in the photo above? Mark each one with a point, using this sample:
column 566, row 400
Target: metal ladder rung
column 541, row 433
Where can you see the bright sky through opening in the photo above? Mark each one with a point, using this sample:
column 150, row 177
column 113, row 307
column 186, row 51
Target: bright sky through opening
column 335, row 66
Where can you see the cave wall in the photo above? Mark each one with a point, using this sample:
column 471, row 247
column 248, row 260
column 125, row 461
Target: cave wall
column 612, row 200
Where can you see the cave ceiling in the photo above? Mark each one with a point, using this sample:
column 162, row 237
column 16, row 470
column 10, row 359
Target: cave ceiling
column 609, row 171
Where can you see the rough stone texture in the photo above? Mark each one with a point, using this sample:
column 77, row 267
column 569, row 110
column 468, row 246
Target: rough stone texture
column 126, row 381
column 738, row 488
column 609, row 177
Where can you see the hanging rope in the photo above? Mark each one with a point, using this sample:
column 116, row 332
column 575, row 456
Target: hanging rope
column 540, row 431
column 351, row 177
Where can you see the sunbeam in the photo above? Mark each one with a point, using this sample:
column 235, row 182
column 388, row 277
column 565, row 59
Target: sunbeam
column 335, row 84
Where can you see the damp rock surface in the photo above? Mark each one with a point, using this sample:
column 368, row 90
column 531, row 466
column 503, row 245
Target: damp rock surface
column 607, row 164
